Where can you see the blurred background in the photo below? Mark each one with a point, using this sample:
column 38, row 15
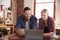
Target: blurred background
column 11, row 9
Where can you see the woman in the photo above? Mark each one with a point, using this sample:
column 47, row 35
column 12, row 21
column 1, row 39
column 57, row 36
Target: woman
column 46, row 23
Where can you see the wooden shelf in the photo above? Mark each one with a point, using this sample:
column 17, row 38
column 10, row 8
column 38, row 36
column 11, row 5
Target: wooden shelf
column 5, row 26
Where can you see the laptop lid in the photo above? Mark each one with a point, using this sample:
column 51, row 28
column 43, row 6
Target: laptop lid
column 31, row 34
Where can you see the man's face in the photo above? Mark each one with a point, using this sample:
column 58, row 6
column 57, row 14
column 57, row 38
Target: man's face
column 27, row 14
column 44, row 15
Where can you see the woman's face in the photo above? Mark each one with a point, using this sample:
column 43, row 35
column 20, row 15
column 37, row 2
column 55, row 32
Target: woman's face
column 44, row 15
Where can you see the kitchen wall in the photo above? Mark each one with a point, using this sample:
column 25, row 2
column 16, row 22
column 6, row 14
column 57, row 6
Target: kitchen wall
column 14, row 10
column 29, row 3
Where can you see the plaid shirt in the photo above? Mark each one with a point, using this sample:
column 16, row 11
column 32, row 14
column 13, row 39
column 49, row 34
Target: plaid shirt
column 50, row 23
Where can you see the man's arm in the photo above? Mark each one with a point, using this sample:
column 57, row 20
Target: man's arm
column 35, row 23
column 18, row 26
column 20, row 31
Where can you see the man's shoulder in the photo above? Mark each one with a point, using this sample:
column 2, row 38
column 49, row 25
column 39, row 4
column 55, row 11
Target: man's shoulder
column 33, row 17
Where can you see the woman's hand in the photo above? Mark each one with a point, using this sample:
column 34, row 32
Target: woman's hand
column 47, row 35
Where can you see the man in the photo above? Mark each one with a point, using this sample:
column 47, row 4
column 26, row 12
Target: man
column 26, row 21
column 46, row 23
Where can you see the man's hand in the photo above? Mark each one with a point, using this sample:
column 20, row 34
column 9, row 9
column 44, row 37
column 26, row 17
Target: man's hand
column 20, row 31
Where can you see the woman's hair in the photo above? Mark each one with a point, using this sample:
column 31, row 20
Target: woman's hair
column 44, row 11
column 26, row 8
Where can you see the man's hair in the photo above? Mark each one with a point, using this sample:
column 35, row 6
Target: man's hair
column 44, row 11
column 26, row 8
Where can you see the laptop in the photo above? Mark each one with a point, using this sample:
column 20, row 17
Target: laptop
column 31, row 34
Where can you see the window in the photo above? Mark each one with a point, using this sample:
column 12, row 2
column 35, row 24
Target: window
column 44, row 4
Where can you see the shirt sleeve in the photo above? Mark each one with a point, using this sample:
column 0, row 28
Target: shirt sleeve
column 52, row 25
column 40, row 24
column 35, row 23
column 18, row 24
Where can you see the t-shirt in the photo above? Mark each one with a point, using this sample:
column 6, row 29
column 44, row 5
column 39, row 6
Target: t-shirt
column 27, row 24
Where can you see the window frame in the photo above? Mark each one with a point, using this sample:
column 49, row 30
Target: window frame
column 46, row 2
